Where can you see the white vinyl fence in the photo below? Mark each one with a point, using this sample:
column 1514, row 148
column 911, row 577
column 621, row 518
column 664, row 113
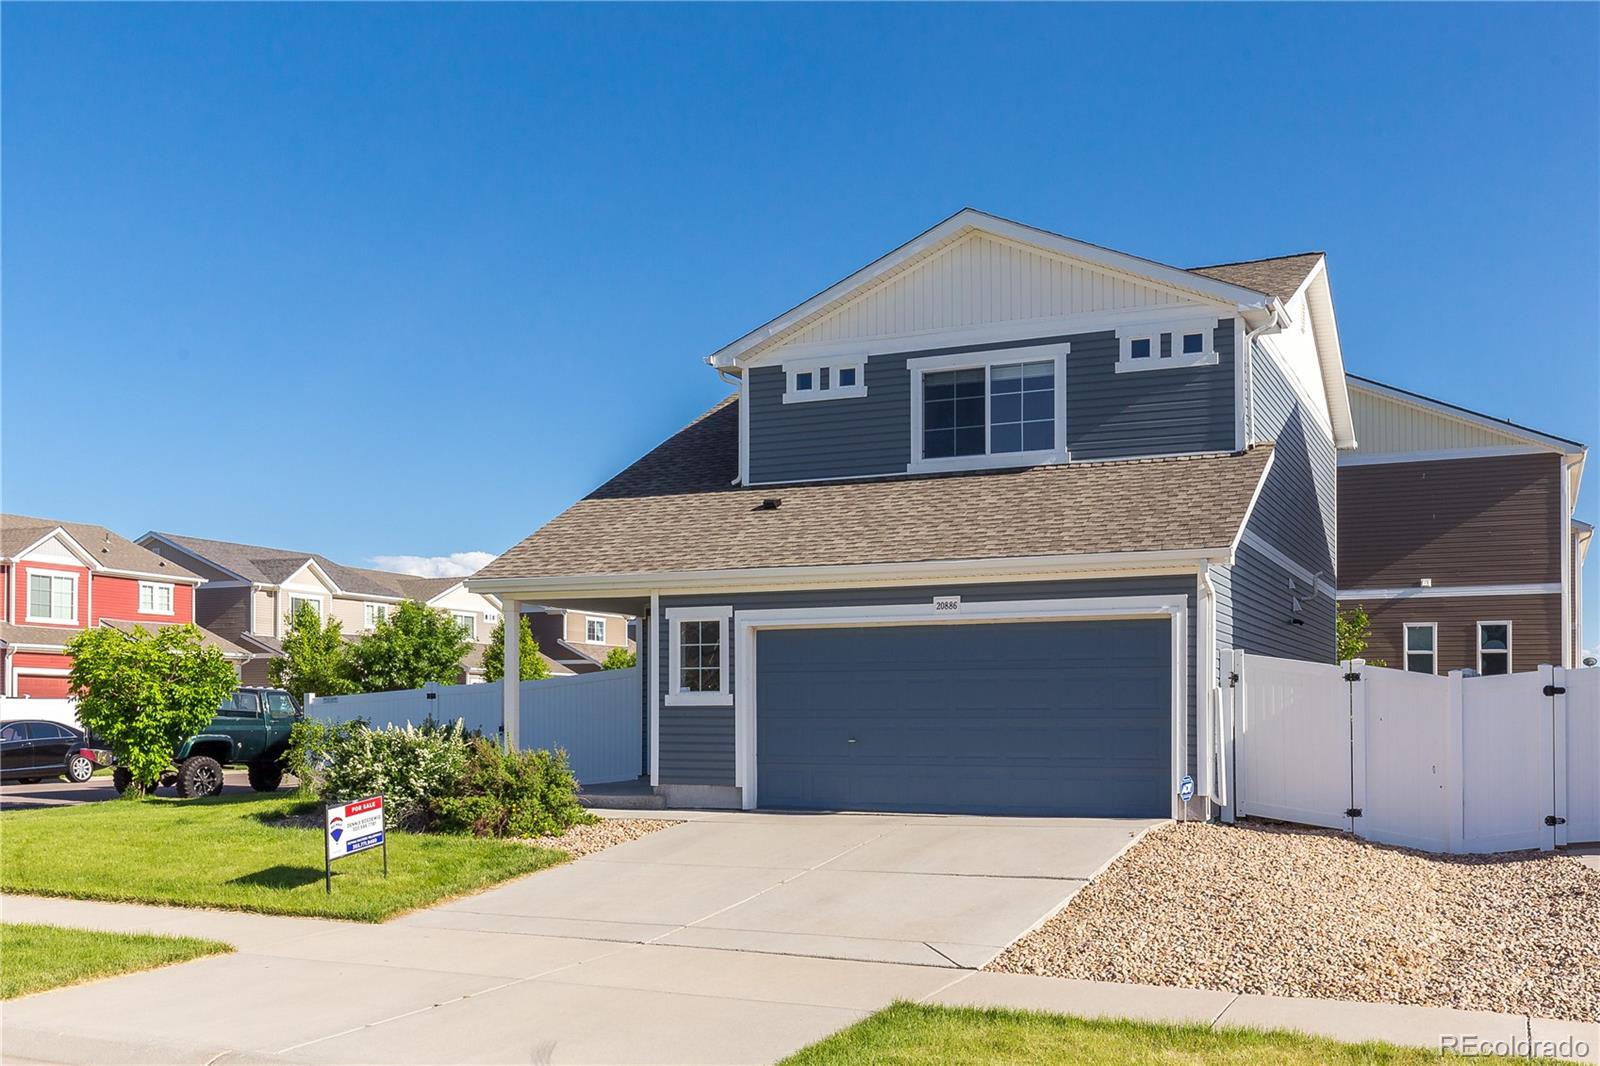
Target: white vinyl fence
column 1459, row 764
column 64, row 711
column 598, row 717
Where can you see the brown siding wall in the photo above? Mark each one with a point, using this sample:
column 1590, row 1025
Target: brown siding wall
column 1535, row 628
column 224, row 611
column 1489, row 521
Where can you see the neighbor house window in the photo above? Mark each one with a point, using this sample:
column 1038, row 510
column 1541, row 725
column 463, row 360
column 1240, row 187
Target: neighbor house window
column 834, row 380
column 375, row 613
column 594, row 630
column 1004, row 410
column 1494, row 647
column 52, row 597
column 1422, row 647
column 155, row 598
column 296, row 602
column 1155, row 348
column 698, row 667
column 468, row 621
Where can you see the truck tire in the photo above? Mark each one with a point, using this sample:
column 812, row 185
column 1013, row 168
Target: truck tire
column 121, row 778
column 200, row 775
column 266, row 776
column 79, row 768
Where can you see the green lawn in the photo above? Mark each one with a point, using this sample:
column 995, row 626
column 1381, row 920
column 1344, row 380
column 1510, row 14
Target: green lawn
column 913, row 1034
column 34, row 958
column 216, row 852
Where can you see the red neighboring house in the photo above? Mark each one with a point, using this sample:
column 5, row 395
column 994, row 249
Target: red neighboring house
column 59, row 578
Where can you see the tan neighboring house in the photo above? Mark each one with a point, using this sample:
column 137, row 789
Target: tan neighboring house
column 577, row 642
column 1457, row 535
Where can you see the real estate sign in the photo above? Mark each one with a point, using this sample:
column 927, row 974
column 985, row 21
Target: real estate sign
column 353, row 827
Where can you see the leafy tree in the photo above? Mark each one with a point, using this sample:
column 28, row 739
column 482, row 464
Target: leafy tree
column 315, row 656
column 1354, row 630
column 620, row 659
column 144, row 692
column 414, row 645
column 530, row 664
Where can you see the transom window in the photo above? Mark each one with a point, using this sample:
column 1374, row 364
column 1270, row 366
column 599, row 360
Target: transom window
column 594, row 630
column 833, row 380
column 698, row 656
column 52, row 597
column 155, row 598
column 1421, row 648
column 1156, row 347
column 1494, row 647
column 993, row 411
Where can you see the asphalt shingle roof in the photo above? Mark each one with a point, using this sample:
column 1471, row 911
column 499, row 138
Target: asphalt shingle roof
column 676, row 510
column 272, row 566
column 1280, row 276
column 111, row 550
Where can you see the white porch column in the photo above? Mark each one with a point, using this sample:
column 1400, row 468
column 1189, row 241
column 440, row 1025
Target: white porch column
column 511, row 680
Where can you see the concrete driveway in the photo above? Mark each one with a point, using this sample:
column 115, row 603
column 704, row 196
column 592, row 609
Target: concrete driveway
column 920, row 890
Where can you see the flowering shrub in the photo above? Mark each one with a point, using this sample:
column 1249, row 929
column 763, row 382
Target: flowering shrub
column 512, row 794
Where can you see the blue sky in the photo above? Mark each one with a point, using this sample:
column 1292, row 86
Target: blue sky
column 407, row 280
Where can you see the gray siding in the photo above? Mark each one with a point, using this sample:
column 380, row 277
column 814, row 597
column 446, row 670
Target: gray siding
column 224, row 611
column 1109, row 415
column 697, row 743
column 1254, row 611
column 1296, row 511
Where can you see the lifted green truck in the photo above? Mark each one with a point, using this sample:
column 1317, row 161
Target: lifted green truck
column 251, row 728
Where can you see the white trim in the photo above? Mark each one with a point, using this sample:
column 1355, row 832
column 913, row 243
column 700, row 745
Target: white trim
column 723, row 696
column 1510, row 645
column 755, row 579
column 83, row 554
column 750, row 623
column 1461, row 414
column 172, row 597
column 589, row 620
column 1241, row 359
column 1444, row 592
column 1308, row 400
column 1250, row 539
column 744, row 428
column 1187, row 283
column 1176, row 358
column 1568, row 658
column 1055, row 354
column 654, row 683
column 1405, row 644
column 1441, row 455
column 814, row 366
column 27, row 595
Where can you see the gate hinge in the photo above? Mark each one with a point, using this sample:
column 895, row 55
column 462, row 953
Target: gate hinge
column 1353, row 812
column 1552, row 820
column 1352, row 676
column 1555, row 690
column 1233, row 680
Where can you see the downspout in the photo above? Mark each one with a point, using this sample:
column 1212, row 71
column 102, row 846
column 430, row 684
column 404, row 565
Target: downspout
column 1206, row 650
column 1273, row 324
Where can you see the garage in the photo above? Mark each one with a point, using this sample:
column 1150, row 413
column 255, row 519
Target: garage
column 1054, row 718
column 41, row 686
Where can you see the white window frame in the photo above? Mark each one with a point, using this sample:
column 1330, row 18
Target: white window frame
column 288, row 614
column 1510, row 645
column 1126, row 335
column 792, row 393
column 54, row 575
column 1405, row 644
column 1039, row 353
column 471, row 623
column 372, row 614
column 592, row 620
column 153, row 587
column 676, row 697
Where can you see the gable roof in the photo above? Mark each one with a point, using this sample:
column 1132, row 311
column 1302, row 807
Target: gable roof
column 1280, row 276
column 676, row 511
column 967, row 220
column 108, row 550
column 273, row 566
column 1444, row 409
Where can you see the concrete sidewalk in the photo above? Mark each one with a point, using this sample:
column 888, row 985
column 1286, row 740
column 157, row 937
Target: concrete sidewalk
column 338, row 992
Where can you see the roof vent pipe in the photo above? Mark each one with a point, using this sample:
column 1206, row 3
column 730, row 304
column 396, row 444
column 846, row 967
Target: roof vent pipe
column 771, row 503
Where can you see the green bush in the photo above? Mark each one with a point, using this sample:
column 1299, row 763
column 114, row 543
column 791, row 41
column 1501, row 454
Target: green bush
column 511, row 794
column 411, row 767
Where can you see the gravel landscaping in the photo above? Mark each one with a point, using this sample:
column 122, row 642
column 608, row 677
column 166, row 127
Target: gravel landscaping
column 1289, row 911
column 583, row 840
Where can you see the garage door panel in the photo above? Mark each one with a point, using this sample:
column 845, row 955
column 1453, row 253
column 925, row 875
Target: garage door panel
column 1054, row 717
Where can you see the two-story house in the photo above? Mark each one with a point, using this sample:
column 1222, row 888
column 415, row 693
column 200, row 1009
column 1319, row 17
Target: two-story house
column 59, row 578
column 1457, row 536
column 972, row 530
column 250, row 592
column 576, row 642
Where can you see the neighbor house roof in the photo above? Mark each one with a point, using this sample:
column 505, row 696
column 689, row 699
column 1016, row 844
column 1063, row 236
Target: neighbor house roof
column 207, row 638
column 675, row 510
column 1280, row 276
column 109, row 550
column 57, row 636
column 272, row 566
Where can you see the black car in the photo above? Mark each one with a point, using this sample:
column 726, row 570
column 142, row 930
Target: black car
column 32, row 750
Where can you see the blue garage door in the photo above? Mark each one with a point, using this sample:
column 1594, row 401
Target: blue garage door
column 1064, row 718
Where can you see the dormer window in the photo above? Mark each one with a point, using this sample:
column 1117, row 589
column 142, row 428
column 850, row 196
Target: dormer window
column 988, row 409
column 1167, row 347
column 833, row 380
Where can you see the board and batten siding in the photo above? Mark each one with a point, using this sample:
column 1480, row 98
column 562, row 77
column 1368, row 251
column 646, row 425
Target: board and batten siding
column 1490, row 520
column 1168, row 411
column 696, row 743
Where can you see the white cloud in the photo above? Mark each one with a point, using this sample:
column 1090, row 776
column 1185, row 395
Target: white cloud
column 456, row 564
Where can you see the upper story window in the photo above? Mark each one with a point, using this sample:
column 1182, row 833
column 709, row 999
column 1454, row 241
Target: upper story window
column 698, row 656
column 296, row 602
column 1165, row 347
column 373, row 613
column 1422, row 643
column 155, row 598
column 594, row 630
column 988, row 409
column 467, row 621
column 52, row 597
column 1494, row 647
column 836, row 379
